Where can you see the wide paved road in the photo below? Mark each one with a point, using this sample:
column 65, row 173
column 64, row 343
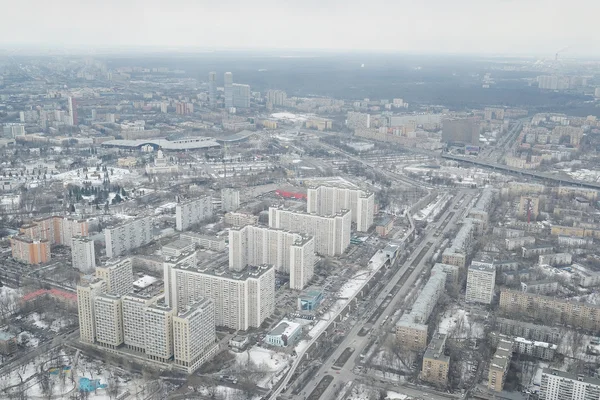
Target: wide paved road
column 353, row 340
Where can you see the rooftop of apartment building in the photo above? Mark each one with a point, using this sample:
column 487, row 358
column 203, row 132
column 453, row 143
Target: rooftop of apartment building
column 23, row 238
column 337, row 214
column 566, row 375
column 200, row 236
column 435, row 350
column 124, row 220
column 490, row 268
column 114, row 261
column 191, row 308
column 502, row 356
column 178, row 244
column 223, row 270
column 408, row 321
column 159, row 305
column 301, row 239
column 182, row 257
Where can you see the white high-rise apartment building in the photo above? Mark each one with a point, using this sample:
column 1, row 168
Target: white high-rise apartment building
column 134, row 317
column 194, row 335
column 158, row 325
column 128, row 236
column 276, row 97
column 481, row 281
column 192, row 212
column 86, row 294
column 83, row 255
column 118, row 275
column 241, row 95
column 331, row 233
column 560, row 385
column 289, row 252
column 184, row 261
column 328, row 200
column 242, row 299
column 109, row 320
column 228, row 78
column 212, row 89
column 230, row 199
column 357, row 120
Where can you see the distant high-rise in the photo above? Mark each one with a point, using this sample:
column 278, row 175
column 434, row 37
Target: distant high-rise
column 328, row 200
column 72, row 111
column 192, row 212
column 118, row 275
column 481, row 280
column 83, row 255
column 241, row 95
column 464, row 131
column 212, row 89
column 228, row 77
column 276, row 97
column 230, row 199
column 86, row 296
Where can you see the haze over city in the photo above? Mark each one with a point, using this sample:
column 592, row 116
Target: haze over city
column 317, row 200
column 529, row 27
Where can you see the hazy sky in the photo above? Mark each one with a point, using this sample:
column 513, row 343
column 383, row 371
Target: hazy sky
column 460, row 26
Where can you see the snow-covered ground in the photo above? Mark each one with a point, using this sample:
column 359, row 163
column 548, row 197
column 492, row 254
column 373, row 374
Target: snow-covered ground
column 459, row 324
column 364, row 392
column 269, row 361
column 31, row 374
column 432, row 209
column 224, row 392
column 285, row 116
column 37, row 321
column 583, row 174
column 28, row 339
column 58, row 324
column 77, row 176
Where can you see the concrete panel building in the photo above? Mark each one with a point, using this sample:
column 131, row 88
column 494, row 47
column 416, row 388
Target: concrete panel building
column 158, row 326
column 499, row 366
column 83, row 254
column 194, row 335
column 118, row 275
column 579, row 315
column 412, row 328
column 230, row 199
column 329, row 200
column 204, row 241
column 560, row 385
column 128, row 236
column 134, row 316
column 461, row 131
column 86, row 296
column 240, row 219
column 435, row 362
column 481, row 281
column 242, row 299
column 30, row 251
column 289, row 252
column 108, row 315
column 331, row 234
column 193, row 212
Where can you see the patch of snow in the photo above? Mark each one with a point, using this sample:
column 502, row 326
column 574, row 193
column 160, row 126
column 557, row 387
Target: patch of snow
column 37, row 321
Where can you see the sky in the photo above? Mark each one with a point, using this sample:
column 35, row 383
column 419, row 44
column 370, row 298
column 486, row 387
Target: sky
column 536, row 27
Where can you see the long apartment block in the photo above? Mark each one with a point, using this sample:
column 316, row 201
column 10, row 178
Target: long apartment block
column 243, row 299
column 192, row 212
column 331, row 234
column 289, row 252
column 128, row 236
column 329, row 200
